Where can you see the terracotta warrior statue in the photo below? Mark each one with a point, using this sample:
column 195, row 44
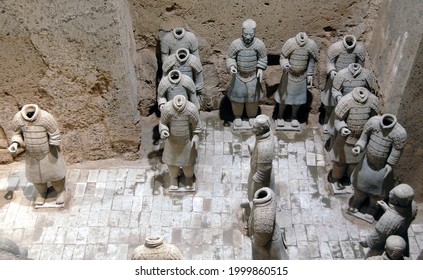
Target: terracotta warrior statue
column 246, row 61
column 187, row 64
column 351, row 113
column 399, row 213
column 297, row 60
column 176, row 83
column 262, row 153
column 395, row 249
column 155, row 248
column 9, row 250
column 266, row 236
column 180, row 127
column 339, row 56
column 178, row 38
column 344, row 82
column 349, row 78
column 38, row 131
column 383, row 140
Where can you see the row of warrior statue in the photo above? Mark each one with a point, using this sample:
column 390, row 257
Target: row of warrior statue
column 363, row 143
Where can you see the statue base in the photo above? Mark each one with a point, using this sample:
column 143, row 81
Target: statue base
column 286, row 126
column 182, row 186
column 366, row 217
column 245, row 125
column 50, row 201
column 346, row 190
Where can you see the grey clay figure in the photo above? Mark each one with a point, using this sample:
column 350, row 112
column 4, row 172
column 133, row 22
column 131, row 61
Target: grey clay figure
column 188, row 64
column 399, row 213
column 351, row 114
column 345, row 81
column 262, row 154
column 180, row 127
column 176, row 83
column 38, row 131
column 297, row 60
column 155, row 248
column 266, row 236
column 246, row 61
column 340, row 54
column 383, row 140
column 176, row 39
column 395, row 249
column 349, row 78
column 9, row 250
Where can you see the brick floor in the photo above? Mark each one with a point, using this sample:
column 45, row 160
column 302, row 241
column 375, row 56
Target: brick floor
column 111, row 209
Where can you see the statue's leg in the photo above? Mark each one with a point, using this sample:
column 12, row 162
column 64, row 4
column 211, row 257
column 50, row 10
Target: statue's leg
column 59, row 187
column 280, row 121
column 42, row 193
column 237, row 109
column 373, row 205
column 328, row 112
column 358, row 199
column 174, row 173
column 189, row 176
column 252, row 110
column 338, row 171
column 294, row 116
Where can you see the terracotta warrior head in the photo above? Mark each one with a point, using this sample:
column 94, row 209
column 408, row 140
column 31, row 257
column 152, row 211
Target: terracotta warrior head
column 395, row 247
column 261, row 125
column 402, row 195
column 248, row 31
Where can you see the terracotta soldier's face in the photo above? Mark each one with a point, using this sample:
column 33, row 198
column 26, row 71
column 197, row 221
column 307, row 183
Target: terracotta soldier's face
column 248, row 35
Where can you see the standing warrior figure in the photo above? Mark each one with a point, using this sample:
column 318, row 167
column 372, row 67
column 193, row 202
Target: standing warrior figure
column 399, row 213
column 265, row 232
column 38, row 131
column 187, row 64
column 180, row 126
column 262, row 153
column 349, row 78
column 345, row 81
column 298, row 57
column 383, row 139
column 351, row 114
column 176, row 39
column 246, row 60
column 339, row 56
column 176, row 83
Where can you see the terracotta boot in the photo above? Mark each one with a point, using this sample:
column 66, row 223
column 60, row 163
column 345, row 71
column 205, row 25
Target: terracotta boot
column 42, row 193
column 174, row 184
column 189, row 183
column 59, row 187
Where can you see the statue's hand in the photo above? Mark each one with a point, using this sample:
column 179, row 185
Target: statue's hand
column 13, row 148
column 233, row 70
column 194, row 141
column 260, row 75
column 286, row 67
column 388, row 170
column 164, row 134
column 356, row 150
column 382, row 204
column 345, row 131
column 309, row 81
column 332, row 74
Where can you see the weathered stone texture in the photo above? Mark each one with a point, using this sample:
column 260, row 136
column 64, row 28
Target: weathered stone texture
column 74, row 59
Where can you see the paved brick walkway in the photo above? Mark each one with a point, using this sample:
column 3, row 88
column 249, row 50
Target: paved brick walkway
column 111, row 209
